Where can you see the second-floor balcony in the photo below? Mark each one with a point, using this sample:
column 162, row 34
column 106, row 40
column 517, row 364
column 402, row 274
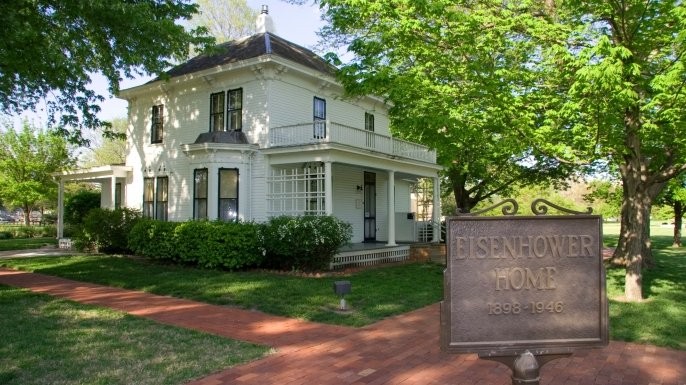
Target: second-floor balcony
column 331, row 132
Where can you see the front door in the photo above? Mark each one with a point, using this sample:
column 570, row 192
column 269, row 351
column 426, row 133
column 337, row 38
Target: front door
column 369, row 207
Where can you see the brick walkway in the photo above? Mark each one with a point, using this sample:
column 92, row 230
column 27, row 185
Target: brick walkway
column 398, row 350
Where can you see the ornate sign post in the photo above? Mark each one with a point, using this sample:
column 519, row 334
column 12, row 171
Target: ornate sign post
column 524, row 290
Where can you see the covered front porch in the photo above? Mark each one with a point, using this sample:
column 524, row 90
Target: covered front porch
column 374, row 194
column 112, row 179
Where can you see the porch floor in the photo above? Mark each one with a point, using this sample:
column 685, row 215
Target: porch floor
column 363, row 246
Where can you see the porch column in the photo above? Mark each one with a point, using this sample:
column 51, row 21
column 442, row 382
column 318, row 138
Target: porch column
column 113, row 192
column 328, row 189
column 437, row 211
column 391, row 208
column 60, row 209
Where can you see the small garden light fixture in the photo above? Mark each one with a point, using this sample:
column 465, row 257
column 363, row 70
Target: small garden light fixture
column 342, row 288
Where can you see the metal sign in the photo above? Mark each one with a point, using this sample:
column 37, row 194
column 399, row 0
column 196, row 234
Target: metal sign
column 517, row 284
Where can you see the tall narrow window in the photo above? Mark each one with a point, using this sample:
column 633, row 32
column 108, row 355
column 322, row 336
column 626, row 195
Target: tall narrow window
column 157, row 129
column 319, row 118
column 369, row 127
column 217, row 112
column 228, row 194
column 162, row 198
column 200, row 194
column 148, row 197
column 234, row 109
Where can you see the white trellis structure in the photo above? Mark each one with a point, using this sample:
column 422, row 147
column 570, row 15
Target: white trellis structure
column 424, row 196
column 297, row 191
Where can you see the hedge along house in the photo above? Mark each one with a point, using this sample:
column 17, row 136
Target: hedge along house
column 260, row 129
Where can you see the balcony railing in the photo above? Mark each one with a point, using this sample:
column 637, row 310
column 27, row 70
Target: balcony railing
column 329, row 132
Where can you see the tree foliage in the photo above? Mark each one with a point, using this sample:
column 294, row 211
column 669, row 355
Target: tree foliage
column 49, row 49
column 569, row 82
column 457, row 83
column 605, row 196
column 619, row 95
column 674, row 196
column 27, row 158
column 110, row 150
column 225, row 19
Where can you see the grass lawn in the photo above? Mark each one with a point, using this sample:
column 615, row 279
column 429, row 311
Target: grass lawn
column 46, row 340
column 376, row 293
column 26, row 243
column 661, row 318
column 381, row 292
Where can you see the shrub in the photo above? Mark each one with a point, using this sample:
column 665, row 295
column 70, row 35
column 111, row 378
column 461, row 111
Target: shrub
column 6, row 235
column 26, row 231
column 49, row 219
column 154, row 239
column 305, row 243
column 78, row 205
column 107, row 230
column 228, row 245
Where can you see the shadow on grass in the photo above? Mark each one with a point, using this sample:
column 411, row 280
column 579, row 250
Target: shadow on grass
column 661, row 318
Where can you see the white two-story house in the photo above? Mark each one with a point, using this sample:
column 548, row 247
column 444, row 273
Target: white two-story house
column 262, row 128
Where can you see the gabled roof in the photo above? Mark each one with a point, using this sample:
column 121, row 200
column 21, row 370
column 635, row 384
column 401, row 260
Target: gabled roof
column 252, row 47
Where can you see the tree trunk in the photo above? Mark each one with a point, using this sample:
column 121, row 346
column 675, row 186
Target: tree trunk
column 27, row 215
column 678, row 213
column 631, row 244
column 463, row 201
column 634, row 246
column 647, row 250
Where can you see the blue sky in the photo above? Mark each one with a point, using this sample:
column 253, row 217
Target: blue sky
column 296, row 23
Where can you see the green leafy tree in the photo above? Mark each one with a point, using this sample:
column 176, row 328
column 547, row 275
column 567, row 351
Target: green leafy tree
column 576, row 82
column 225, row 19
column 110, row 150
column 27, row 158
column 614, row 90
column 456, row 81
column 606, row 198
column 50, row 49
column 674, row 195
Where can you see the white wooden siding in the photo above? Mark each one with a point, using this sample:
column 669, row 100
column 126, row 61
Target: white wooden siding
column 292, row 103
column 269, row 100
column 348, row 202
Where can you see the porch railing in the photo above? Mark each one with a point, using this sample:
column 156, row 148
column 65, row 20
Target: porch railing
column 330, row 132
column 370, row 257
